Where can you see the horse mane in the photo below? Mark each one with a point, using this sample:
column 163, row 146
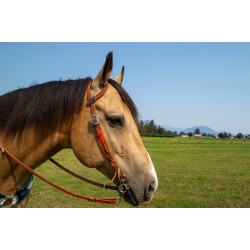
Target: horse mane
column 46, row 106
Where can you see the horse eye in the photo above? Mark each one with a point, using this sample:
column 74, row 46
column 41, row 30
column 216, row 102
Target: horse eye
column 115, row 121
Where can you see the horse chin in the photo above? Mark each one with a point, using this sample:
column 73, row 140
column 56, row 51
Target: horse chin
column 130, row 198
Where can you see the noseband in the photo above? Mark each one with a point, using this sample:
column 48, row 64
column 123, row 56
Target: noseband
column 94, row 120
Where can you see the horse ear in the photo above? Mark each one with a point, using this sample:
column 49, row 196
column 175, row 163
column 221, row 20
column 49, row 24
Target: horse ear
column 119, row 78
column 106, row 71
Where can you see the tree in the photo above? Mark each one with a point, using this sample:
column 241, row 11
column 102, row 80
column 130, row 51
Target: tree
column 223, row 135
column 160, row 130
column 182, row 133
column 197, row 131
column 239, row 135
column 151, row 129
column 190, row 134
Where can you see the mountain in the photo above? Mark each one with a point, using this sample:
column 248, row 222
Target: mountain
column 203, row 129
column 177, row 129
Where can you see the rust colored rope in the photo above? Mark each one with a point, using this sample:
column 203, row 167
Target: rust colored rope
column 106, row 186
column 111, row 200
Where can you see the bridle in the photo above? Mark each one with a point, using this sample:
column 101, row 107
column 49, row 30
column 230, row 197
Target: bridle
column 122, row 188
column 94, row 120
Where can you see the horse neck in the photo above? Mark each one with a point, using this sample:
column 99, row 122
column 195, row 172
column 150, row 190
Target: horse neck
column 31, row 152
column 34, row 150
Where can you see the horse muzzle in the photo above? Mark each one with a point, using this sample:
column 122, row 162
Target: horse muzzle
column 129, row 197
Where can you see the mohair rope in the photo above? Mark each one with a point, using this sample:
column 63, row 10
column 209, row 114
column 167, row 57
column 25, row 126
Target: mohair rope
column 112, row 200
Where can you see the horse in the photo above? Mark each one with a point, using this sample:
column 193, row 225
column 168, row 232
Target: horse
column 39, row 121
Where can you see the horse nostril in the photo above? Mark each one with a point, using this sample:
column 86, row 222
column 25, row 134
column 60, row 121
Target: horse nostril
column 148, row 192
column 152, row 187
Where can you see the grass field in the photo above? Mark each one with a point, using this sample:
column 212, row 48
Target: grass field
column 192, row 173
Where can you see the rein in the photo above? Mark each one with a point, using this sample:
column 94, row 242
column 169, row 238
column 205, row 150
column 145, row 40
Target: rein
column 94, row 120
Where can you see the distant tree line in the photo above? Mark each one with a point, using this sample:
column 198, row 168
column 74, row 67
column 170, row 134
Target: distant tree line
column 149, row 128
column 226, row 135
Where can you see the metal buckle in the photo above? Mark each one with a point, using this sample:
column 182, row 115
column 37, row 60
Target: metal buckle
column 97, row 119
column 123, row 188
column 13, row 198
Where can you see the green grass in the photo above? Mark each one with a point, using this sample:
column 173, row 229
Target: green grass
column 191, row 172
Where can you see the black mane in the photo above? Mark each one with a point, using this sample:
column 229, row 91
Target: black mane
column 46, row 105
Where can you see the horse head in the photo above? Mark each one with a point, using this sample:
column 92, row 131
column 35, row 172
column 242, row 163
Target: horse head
column 117, row 115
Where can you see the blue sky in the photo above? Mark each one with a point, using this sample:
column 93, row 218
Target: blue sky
column 176, row 84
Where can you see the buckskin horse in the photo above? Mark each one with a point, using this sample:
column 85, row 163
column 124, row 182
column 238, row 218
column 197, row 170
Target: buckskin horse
column 39, row 121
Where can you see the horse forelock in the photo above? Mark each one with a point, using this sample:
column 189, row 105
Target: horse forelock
column 126, row 99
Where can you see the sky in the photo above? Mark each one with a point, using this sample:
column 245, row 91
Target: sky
column 175, row 84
